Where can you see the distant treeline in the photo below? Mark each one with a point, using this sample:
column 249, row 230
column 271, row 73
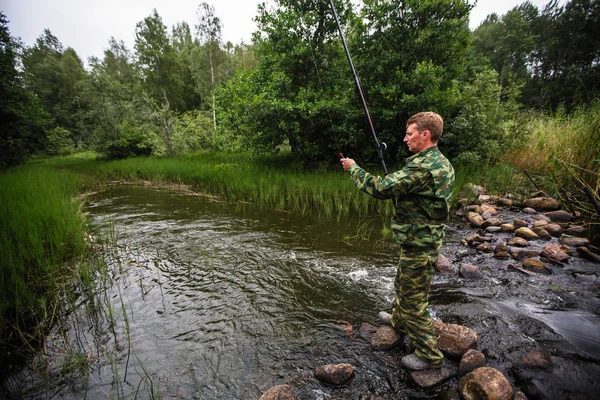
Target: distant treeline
column 183, row 89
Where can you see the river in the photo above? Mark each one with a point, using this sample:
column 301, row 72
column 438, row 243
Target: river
column 208, row 300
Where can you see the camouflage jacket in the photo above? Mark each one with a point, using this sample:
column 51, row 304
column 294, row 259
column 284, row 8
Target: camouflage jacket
column 421, row 194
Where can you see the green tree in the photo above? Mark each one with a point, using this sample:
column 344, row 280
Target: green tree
column 23, row 123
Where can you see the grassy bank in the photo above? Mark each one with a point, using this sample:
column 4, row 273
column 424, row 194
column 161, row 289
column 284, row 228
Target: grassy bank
column 41, row 232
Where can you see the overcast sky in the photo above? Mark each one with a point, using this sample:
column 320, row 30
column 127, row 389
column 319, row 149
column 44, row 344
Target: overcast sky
column 87, row 25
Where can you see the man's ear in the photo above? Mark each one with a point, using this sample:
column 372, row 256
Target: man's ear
column 427, row 134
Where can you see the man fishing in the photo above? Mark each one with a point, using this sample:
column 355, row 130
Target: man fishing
column 421, row 194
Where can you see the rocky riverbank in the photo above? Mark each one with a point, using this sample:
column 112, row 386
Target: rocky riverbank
column 505, row 239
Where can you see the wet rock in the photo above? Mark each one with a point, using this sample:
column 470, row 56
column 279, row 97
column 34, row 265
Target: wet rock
column 501, row 251
column 474, row 239
column 430, row 378
column 555, row 253
column 385, row 338
column 486, row 215
column 488, row 208
column 493, row 221
column 470, row 361
column 280, row 392
column 542, row 203
column 540, row 223
column 454, row 340
column 485, row 383
column 542, row 233
column 559, row 216
column 535, row 359
column 520, row 396
column 443, row 265
column 493, row 229
column 520, row 223
column 541, row 217
column 526, row 233
column 588, row 254
column 518, row 242
column 529, row 210
column 366, row 331
column 485, row 248
column 536, row 266
column 554, row 229
column 476, row 208
column 521, row 254
column 576, row 230
column 335, row 374
column 507, row 227
column 574, row 241
column 475, row 219
column 504, row 202
column 469, row 271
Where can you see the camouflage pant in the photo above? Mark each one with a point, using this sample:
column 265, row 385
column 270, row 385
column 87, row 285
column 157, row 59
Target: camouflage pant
column 410, row 312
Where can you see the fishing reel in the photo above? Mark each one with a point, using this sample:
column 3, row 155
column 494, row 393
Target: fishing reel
column 382, row 146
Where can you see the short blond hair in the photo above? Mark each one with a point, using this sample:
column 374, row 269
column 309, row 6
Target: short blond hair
column 429, row 121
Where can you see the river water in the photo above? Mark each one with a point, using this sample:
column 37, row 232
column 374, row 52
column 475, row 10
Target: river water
column 208, row 300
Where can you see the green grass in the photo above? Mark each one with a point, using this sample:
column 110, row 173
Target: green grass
column 41, row 231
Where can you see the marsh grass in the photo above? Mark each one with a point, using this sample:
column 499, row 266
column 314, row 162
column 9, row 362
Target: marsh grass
column 41, row 235
column 562, row 152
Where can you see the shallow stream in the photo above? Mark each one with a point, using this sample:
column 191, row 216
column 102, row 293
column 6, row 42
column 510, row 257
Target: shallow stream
column 208, row 300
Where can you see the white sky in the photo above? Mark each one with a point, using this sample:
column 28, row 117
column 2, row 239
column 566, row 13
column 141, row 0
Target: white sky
column 87, row 25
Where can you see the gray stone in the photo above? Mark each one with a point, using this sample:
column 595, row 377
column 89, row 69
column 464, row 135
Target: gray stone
column 430, row 378
column 493, row 229
column 335, row 374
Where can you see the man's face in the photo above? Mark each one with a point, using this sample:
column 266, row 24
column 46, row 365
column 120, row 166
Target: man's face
column 415, row 139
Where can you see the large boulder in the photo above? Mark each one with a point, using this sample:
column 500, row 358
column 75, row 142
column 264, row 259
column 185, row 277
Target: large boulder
column 542, row 203
column 335, row 374
column 454, row 340
column 280, row 392
column 485, row 383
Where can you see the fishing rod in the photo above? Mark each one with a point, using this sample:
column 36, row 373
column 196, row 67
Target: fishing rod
column 379, row 146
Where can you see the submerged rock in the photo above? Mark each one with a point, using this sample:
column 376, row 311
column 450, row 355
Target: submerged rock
column 469, row 271
column 280, row 392
column 485, row 383
column 470, row 361
column 385, row 338
column 536, row 266
column 335, row 374
column 535, row 359
column 430, row 378
column 454, row 340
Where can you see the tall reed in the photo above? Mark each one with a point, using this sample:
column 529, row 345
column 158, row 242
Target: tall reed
column 41, row 230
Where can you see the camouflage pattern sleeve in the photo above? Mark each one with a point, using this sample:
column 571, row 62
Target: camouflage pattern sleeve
column 409, row 179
